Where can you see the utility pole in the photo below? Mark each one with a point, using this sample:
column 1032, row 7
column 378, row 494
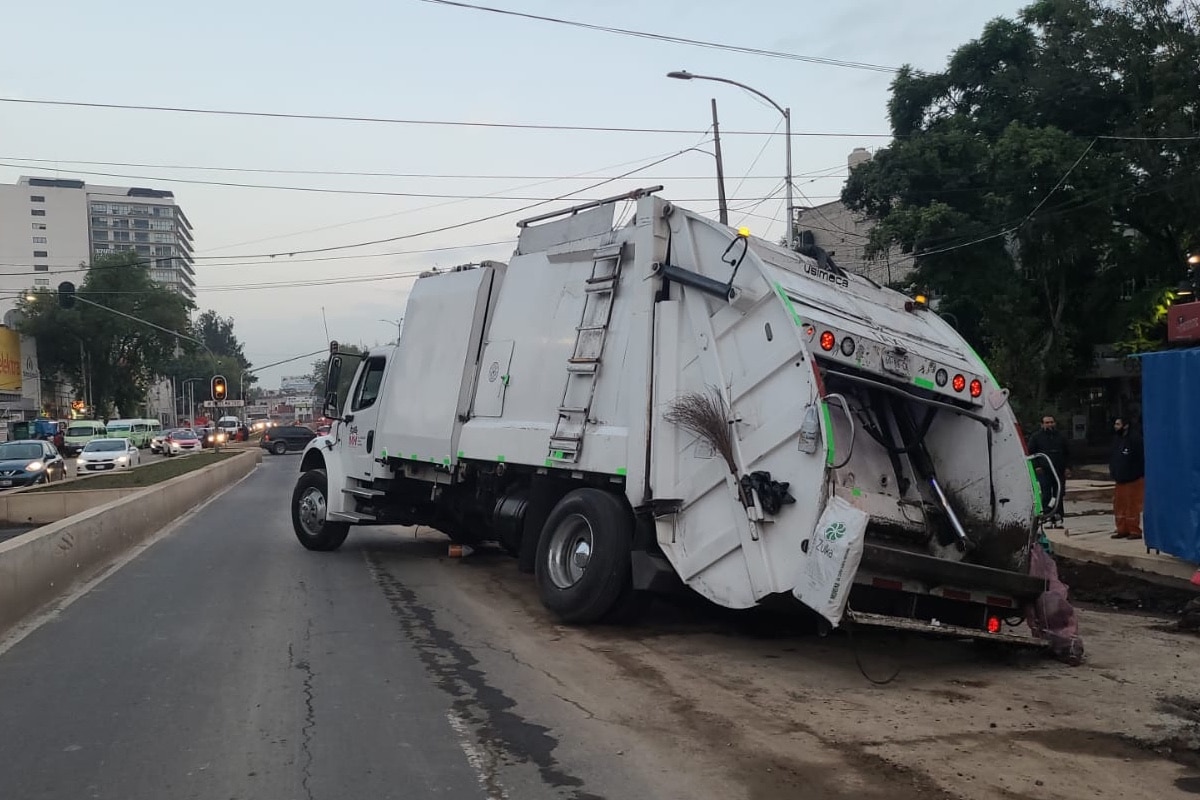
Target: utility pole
column 721, row 201
column 791, row 206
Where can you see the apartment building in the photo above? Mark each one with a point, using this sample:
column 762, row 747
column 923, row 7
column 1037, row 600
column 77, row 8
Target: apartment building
column 844, row 234
column 51, row 228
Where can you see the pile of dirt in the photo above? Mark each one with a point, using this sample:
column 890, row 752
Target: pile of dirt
column 1101, row 585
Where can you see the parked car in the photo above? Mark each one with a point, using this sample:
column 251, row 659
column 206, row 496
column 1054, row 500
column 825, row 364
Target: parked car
column 181, row 440
column 281, row 439
column 100, row 455
column 28, row 461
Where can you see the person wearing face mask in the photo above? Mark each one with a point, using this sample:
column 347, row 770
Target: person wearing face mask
column 1050, row 442
column 1127, row 466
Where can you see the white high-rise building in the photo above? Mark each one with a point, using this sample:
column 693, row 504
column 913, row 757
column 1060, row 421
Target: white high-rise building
column 51, row 228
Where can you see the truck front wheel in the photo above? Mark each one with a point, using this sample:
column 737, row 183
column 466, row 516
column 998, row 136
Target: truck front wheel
column 309, row 504
column 583, row 555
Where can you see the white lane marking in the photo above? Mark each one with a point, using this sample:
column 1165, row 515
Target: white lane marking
column 477, row 758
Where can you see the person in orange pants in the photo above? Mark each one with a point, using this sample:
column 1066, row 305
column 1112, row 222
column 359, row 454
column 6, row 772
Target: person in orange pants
column 1127, row 466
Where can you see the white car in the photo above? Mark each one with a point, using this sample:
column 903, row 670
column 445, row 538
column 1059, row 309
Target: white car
column 101, row 455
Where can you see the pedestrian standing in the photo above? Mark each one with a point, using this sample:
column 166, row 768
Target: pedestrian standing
column 1127, row 466
column 1050, row 442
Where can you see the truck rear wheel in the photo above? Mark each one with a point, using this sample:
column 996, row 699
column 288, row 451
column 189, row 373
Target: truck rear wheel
column 309, row 502
column 583, row 555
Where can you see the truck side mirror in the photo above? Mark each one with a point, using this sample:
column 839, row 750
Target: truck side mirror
column 333, row 374
column 331, row 409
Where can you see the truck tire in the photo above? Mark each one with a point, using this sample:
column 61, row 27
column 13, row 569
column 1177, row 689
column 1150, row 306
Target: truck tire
column 309, row 501
column 630, row 607
column 583, row 555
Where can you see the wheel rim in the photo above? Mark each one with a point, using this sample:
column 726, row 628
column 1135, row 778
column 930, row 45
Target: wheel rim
column 570, row 551
column 312, row 511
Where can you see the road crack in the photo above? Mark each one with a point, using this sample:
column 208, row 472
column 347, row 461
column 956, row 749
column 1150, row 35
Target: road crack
column 310, row 721
column 493, row 735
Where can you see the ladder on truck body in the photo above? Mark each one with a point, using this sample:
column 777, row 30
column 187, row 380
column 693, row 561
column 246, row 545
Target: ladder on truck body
column 583, row 366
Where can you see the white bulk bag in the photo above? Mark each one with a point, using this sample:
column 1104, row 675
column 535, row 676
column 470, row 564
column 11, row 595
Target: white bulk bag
column 830, row 559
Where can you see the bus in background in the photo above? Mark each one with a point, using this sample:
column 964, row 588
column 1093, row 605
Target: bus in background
column 138, row 431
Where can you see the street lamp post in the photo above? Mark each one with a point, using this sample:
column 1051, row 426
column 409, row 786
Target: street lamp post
column 684, row 75
column 190, row 396
column 399, row 323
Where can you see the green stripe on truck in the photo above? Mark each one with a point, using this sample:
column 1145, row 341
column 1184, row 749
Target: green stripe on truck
column 787, row 303
column 830, row 450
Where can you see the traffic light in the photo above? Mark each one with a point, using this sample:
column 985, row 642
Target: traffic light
column 219, row 389
column 66, row 294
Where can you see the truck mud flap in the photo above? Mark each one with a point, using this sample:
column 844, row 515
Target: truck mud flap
column 940, row 572
column 941, row 629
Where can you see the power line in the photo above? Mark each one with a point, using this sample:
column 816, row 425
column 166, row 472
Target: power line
column 826, row 172
column 403, row 212
column 829, row 62
column 286, row 361
column 457, row 225
column 335, row 248
column 323, row 190
column 402, row 121
column 289, row 262
column 416, row 234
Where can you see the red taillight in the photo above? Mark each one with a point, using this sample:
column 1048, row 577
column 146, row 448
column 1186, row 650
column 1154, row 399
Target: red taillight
column 828, row 341
column 976, row 388
column 993, row 625
column 266, row 437
column 959, row 383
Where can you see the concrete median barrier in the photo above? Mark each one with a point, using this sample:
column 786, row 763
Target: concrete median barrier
column 42, row 565
column 43, row 508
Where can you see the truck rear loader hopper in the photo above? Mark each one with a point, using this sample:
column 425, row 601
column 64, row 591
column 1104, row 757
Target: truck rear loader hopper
column 671, row 401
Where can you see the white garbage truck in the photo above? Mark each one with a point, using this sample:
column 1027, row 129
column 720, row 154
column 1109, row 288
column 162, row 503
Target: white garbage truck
column 631, row 408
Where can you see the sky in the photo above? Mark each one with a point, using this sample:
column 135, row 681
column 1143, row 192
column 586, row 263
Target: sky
column 417, row 60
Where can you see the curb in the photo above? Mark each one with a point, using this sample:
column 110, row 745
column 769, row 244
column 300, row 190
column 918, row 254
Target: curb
column 1177, row 575
column 38, row 567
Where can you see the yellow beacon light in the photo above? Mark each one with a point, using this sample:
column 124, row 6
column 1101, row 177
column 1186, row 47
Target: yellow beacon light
column 744, row 232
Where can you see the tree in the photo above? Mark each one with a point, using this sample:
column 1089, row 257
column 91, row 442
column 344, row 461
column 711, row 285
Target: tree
column 217, row 333
column 116, row 356
column 349, row 365
column 1022, row 215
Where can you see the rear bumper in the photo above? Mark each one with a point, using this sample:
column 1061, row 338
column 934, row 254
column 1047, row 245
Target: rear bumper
column 940, row 572
column 1019, row 637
